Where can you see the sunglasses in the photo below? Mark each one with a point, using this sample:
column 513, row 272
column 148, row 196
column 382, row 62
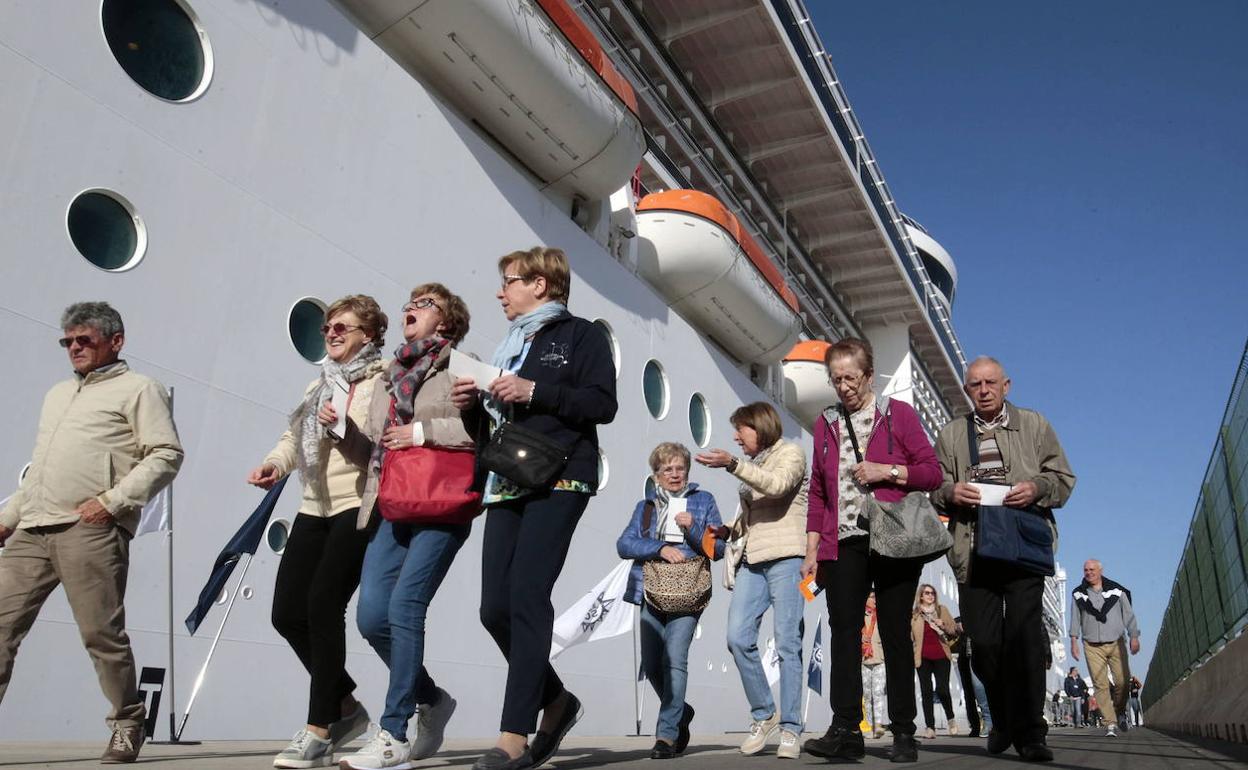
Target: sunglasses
column 83, row 341
column 338, row 329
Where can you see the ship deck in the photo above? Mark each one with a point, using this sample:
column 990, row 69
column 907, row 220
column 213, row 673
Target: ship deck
column 1139, row 749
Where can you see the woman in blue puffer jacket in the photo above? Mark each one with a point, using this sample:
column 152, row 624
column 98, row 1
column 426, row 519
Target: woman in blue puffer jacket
column 661, row 529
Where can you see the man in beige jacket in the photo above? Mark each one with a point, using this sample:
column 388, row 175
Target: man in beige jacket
column 106, row 444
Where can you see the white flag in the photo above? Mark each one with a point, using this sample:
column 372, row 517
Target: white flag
column 771, row 663
column 156, row 514
column 600, row 614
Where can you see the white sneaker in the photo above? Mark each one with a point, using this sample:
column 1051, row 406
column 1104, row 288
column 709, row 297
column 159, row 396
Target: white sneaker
column 348, row 728
column 1111, row 731
column 760, row 731
column 953, row 727
column 383, row 750
column 305, row 750
column 431, row 724
column 789, row 747
column 929, row 733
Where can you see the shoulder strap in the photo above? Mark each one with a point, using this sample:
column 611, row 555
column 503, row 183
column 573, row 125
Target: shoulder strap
column 647, row 514
column 849, row 426
column 888, row 424
column 971, row 443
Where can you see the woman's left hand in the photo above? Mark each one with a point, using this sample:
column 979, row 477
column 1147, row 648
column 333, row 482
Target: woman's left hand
column 327, row 415
column 715, row 458
column 684, row 519
column 397, row 437
column 867, row 473
column 511, row 389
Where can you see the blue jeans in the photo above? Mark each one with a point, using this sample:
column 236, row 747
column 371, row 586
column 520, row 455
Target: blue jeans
column 759, row 586
column 665, row 641
column 403, row 567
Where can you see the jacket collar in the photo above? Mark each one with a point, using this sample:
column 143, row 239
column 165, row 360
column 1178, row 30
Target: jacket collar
column 107, row 372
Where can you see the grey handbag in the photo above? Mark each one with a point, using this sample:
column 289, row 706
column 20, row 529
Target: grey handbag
column 908, row 528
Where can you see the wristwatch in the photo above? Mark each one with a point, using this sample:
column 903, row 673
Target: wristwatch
column 894, row 473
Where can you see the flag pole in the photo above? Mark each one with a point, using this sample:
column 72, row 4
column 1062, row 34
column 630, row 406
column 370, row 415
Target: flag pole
column 199, row 680
column 636, row 668
column 173, row 696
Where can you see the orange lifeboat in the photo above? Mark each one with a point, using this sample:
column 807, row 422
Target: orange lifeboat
column 807, row 391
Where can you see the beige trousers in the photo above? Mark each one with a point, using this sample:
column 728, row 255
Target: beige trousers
column 1105, row 660
column 92, row 562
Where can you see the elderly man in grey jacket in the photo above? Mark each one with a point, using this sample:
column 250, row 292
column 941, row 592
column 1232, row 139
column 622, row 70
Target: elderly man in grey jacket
column 106, row 444
column 1001, row 601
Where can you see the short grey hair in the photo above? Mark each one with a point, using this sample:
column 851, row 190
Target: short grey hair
column 988, row 360
column 98, row 315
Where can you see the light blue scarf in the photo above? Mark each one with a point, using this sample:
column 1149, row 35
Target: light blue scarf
column 512, row 346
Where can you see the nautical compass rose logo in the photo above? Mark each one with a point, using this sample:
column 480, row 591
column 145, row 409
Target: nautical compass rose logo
column 597, row 612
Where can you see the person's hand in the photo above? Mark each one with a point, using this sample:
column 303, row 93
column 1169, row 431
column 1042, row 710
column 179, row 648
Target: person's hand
column 397, row 437
column 965, row 494
column 810, row 564
column 715, row 458
column 684, row 519
column 671, row 554
column 866, row 473
column 464, row 394
column 5, row 533
column 263, row 476
column 327, row 415
column 1074, row 650
column 1135, row 646
column 512, row 389
column 92, row 511
column 1022, row 494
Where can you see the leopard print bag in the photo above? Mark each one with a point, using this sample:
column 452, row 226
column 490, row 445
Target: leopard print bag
column 675, row 589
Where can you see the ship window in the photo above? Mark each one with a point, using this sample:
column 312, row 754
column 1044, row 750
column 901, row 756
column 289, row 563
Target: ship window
column 160, row 45
column 106, row 230
column 277, row 535
column 699, row 420
column 307, row 316
column 613, row 342
column 648, row 492
column 604, row 470
column 939, row 274
column 654, row 384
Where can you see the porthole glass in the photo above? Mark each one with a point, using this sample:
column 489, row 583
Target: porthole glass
column 604, row 470
column 649, row 493
column 277, row 535
column 613, row 342
column 160, row 45
column 223, row 597
column 248, row 592
column 106, row 230
column 654, row 383
column 699, row 420
column 307, row 316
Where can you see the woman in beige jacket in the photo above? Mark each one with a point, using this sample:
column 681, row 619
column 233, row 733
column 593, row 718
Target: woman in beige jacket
column 771, row 528
column 932, row 631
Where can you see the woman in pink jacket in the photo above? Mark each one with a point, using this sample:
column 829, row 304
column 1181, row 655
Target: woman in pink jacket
column 864, row 446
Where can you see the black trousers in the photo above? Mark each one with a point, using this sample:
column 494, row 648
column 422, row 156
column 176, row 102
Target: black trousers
column 846, row 582
column 526, row 542
column 968, row 692
column 939, row 670
column 318, row 574
column 1001, row 610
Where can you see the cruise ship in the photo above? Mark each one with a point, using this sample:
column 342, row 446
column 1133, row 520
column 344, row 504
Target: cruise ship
column 221, row 170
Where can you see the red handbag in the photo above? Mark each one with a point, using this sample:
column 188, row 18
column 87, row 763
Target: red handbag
column 428, row 485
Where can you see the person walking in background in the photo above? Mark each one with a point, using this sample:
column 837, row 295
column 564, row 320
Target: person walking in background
column 771, row 532
column 1100, row 615
column 864, row 446
column 1077, row 691
column 405, row 561
column 1136, row 708
column 106, row 444
column 978, row 715
column 663, row 530
column 874, row 682
column 320, row 566
column 932, row 629
column 558, row 383
column 1001, row 601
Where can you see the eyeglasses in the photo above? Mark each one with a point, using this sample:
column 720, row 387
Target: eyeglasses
column 339, row 329
column 510, row 279
column 673, row 470
column 852, row 380
column 423, row 303
column 83, row 341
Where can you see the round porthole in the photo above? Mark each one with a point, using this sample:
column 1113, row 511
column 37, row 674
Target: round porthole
column 649, row 488
column 654, row 385
column 304, row 323
column 613, row 342
column 604, row 470
column 248, row 592
column 106, row 230
column 160, row 44
column 277, row 535
column 699, row 420
column 223, row 597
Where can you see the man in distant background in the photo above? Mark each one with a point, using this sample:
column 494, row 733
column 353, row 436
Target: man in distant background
column 1077, row 691
column 1101, row 614
column 106, row 444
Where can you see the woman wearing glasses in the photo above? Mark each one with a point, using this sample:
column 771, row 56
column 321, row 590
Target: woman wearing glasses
column 668, row 525
column 559, row 382
column 406, row 561
column 320, row 565
column 864, row 446
column 932, row 631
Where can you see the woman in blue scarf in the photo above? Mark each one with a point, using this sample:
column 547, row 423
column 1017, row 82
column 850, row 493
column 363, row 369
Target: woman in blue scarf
column 559, row 381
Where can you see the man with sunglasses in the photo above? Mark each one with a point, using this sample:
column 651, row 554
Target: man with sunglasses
column 106, row 444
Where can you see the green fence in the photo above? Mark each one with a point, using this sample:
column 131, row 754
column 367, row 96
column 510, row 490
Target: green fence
column 1209, row 600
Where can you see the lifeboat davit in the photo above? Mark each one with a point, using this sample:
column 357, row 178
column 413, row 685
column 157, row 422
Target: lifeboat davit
column 695, row 252
column 527, row 71
column 807, row 391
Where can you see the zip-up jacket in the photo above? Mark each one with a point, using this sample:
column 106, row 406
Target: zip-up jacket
column 644, row 545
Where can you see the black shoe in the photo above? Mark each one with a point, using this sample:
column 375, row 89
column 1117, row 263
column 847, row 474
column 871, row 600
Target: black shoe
column 1035, row 752
column 1124, row 725
column 546, row 744
column 497, row 759
column 905, row 749
column 663, row 750
column 973, row 734
column 998, row 741
column 682, row 737
column 837, row 743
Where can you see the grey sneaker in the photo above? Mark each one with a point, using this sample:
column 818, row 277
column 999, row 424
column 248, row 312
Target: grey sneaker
column 1111, row 731
column 305, row 750
column 760, row 731
column 789, row 747
column 350, row 727
column 431, row 724
column 382, row 751
column 123, row 747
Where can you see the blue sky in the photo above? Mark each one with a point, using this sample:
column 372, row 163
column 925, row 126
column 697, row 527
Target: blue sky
column 1086, row 165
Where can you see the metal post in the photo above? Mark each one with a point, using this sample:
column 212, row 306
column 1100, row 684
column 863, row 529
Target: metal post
column 636, row 668
column 173, row 699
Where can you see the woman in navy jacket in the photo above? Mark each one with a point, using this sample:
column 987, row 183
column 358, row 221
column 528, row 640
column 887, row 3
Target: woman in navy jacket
column 665, row 638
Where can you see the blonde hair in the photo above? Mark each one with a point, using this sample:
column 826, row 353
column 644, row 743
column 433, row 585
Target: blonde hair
column 918, row 596
column 667, row 451
column 549, row 263
column 373, row 321
column 455, row 315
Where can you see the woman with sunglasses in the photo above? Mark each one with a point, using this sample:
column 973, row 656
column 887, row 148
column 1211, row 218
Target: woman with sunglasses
column 320, row 565
column 932, row 632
